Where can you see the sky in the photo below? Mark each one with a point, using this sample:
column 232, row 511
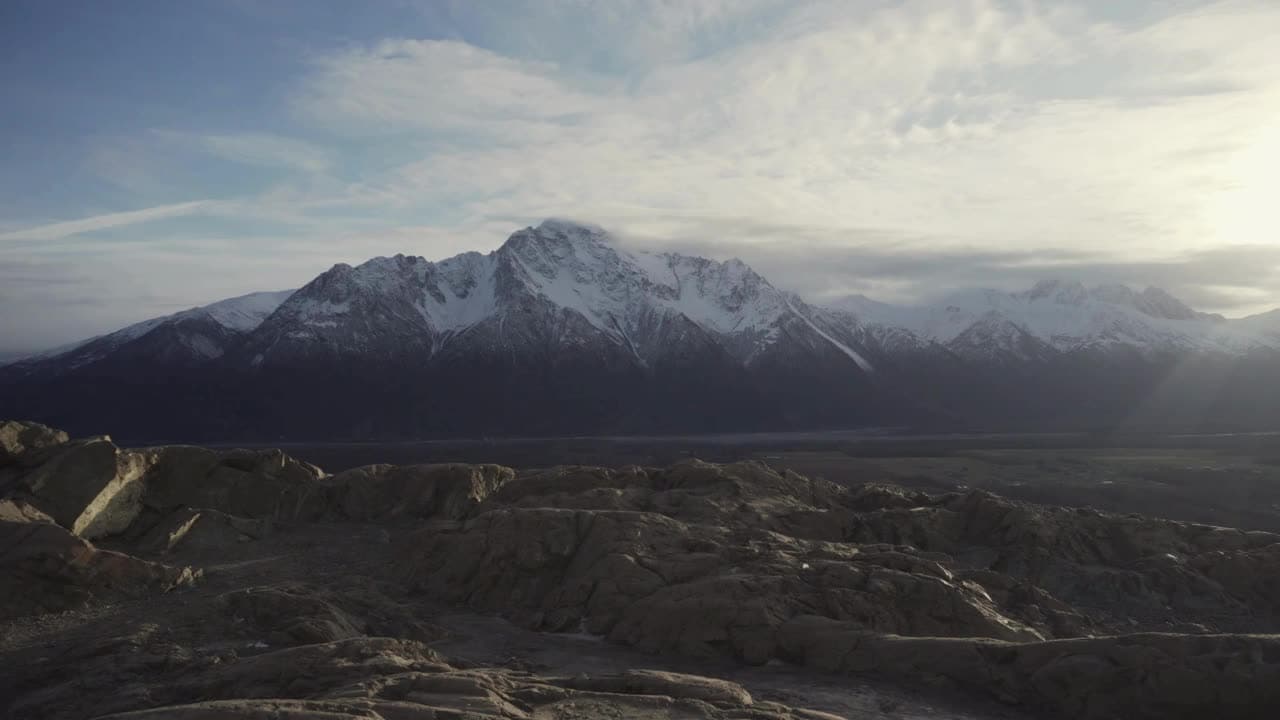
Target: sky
column 156, row 155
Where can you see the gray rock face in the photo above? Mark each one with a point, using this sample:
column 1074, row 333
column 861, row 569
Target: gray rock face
column 90, row 487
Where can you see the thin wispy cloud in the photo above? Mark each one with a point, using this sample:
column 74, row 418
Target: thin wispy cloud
column 106, row 221
column 264, row 150
column 1120, row 142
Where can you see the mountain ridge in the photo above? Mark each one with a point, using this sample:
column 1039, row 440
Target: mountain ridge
column 563, row 330
column 453, row 283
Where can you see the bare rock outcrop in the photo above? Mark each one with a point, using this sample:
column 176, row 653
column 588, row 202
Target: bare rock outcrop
column 366, row 677
column 648, row 580
column 44, row 568
column 961, row 589
column 17, row 436
column 1128, row 676
column 90, row 487
column 1071, row 612
column 245, row 483
column 289, row 614
column 96, row 489
column 409, row 492
column 195, row 530
column 1063, row 572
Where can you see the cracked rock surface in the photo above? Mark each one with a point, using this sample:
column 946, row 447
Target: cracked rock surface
column 191, row 583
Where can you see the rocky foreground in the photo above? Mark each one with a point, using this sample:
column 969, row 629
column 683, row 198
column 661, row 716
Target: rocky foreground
column 189, row 583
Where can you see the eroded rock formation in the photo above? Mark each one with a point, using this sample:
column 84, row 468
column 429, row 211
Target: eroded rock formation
column 301, row 594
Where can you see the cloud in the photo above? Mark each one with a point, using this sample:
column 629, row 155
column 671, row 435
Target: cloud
column 263, row 149
column 409, row 84
column 958, row 121
column 823, row 264
column 616, row 37
column 68, row 228
column 898, row 149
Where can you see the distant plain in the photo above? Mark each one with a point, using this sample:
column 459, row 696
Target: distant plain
column 1227, row 479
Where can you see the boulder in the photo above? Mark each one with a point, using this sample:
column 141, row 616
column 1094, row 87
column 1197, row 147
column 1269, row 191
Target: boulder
column 18, row 436
column 91, row 487
column 45, row 568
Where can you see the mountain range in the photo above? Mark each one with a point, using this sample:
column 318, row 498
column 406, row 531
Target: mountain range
column 563, row 331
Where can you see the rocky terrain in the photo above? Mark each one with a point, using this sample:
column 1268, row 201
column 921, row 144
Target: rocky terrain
column 192, row 583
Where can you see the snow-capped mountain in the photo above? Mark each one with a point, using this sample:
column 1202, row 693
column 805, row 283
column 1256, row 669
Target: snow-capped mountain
column 564, row 330
column 1057, row 316
column 1266, row 324
column 198, row 334
column 566, row 275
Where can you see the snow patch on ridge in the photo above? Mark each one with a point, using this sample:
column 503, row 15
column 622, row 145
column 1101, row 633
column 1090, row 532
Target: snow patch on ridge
column 854, row 356
column 238, row 314
column 1066, row 317
column 578, row 268
column 466, row 296
column 246, row 312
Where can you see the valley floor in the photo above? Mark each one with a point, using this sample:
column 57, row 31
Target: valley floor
column 1227, row 479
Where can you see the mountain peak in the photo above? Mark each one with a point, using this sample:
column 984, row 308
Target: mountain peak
column 1114, row 293
column 1157, row 302
column 1062, row 292
column 1153, row 302
column 569, row 227
column 555, row 241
